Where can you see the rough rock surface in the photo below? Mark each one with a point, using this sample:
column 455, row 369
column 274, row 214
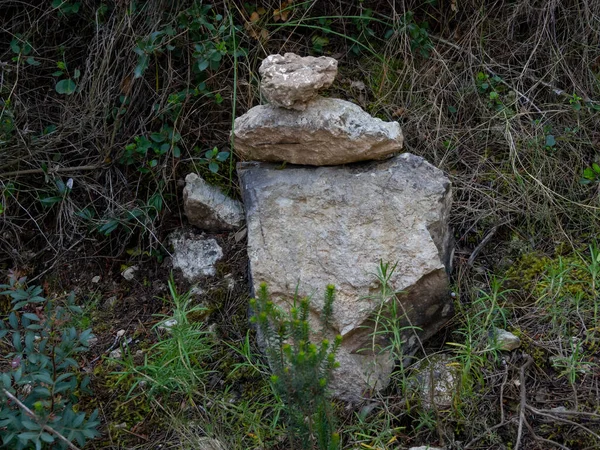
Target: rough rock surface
column 308, row 227
column 505, row 340
column 207, row 208
column 195, row 255
column 291, row 81
column 436, row 380
column 330, row 131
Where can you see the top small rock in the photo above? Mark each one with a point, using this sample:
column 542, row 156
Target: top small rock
column 291, row 81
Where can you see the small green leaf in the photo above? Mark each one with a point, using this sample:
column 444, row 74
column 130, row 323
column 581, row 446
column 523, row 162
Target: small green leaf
column 589, row 173
column 108, row 227
column 66, row 87
column 550, row 141
column 222, row 156
column 141, row 66
column 213, row 167
column 76, row 74
column 14, row 46
column 176, row 152
column 46, row 437
column 203, row 64
column 157, row 137
column 58, row 73
column 596, row 168
column 32, row 61
column 49, row 201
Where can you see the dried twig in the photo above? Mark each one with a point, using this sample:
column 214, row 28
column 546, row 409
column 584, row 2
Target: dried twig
column 523, row 405
column 51, row 171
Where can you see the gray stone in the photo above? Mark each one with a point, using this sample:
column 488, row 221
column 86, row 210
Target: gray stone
column 505, row 340
column 436, row 380
column 129, row 273
column 194, row 255
column 207, row 208
column 329, row 132
column 309, row 227
column 291, row 81
column 427, row 447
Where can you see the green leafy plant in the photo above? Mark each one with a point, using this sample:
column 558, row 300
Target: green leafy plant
column 301, row 369
column 391, row 327
column 213, row 158
column 66, row 86
column 65, row 7
column 476, row 344
column 60, row 192
column 146, row 152
column 591, row 174
column 40, row 394
column 419, row 36
column 176, row 363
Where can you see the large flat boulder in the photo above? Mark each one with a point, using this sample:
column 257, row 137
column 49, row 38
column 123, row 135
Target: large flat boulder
column 309, row 227
column 329, row 131
column 291, row 81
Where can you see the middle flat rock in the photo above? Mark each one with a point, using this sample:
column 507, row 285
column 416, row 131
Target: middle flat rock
column 329, row 131
column 309, row 227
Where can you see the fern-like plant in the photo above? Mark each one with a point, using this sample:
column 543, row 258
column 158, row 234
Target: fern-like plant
column 302, row 370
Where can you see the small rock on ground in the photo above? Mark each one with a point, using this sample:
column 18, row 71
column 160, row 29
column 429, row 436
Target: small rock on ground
column 195, row 255
column 505, row 340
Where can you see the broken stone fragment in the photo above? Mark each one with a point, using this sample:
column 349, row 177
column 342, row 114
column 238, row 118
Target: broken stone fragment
column 207, row 208
column 310, row 227
column 505, row 340
column 329, row 132
column 291, row 81
column 194, row 255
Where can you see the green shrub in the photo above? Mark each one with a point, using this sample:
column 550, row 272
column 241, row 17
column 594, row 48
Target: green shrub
column 302, row 370
column 39, row 396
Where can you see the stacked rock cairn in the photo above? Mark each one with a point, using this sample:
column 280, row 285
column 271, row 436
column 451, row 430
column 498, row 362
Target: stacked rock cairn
column 330, row 199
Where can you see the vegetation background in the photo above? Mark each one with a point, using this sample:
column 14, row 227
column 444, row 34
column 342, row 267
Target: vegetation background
column 106, row 106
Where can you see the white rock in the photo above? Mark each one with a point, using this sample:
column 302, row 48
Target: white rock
column 291, row 81
column 195, row 255
column 167, row 325
column 129, row 273
column 96, row 279
column 329, row 132
column 309, row 227
column 505, row 340
column 116, row 354
column 207, row 208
